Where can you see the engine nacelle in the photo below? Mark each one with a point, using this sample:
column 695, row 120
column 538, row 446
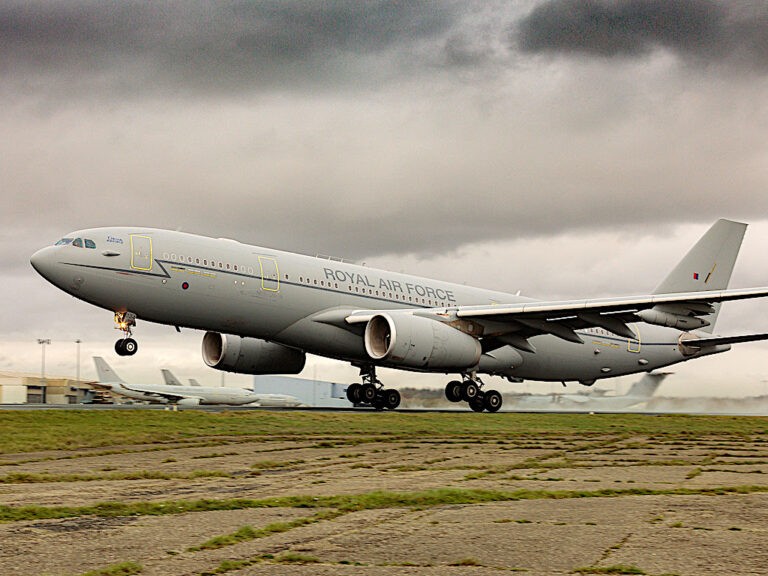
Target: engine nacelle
column 660, row 318
column 418, row 342
column 250, row 355
column 188, row 402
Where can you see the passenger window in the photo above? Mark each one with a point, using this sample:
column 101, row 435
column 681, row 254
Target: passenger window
column 78, row 242
column 90, row 243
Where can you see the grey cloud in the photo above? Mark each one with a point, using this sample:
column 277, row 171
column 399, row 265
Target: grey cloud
column 702, row 30
column 131, row 47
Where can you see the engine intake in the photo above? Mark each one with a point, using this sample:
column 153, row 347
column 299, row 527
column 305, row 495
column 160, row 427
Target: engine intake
column 418, row 342
column 250, row 355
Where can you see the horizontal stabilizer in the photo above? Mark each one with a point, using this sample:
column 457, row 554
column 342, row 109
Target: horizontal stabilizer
column 719, row 340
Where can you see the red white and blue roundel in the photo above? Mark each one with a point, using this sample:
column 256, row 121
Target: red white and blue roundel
column 184, row 285
column 695, row 275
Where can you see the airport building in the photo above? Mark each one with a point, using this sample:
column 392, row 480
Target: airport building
column 310, row 392
column 18, row 388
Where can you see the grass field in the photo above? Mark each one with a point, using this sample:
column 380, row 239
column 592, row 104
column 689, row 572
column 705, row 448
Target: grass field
column 61, row 430
column 288, row 492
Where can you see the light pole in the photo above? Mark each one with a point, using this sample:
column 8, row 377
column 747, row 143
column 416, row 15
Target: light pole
column 78, row 341
column 43, row 385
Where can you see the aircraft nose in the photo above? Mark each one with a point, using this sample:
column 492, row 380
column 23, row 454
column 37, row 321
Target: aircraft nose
column 40, row 260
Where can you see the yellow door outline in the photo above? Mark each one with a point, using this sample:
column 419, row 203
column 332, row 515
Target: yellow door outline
column 140, row 259
column 634, row 345
column 270, row 274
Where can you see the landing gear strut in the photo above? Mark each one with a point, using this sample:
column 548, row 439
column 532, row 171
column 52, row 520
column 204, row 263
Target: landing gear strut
column 372, row 392
column 469, row 390
column 126, row 346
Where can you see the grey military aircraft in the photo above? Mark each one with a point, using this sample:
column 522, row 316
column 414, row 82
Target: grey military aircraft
column 592, row 399
column 169, row 394
column 263, row 310
column 269, row 400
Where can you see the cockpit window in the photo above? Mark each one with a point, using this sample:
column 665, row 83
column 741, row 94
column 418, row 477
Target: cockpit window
column 90, row 243
column 78, row 242
column 63, row 242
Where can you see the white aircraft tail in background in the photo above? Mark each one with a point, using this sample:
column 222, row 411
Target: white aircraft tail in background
column 169, row 394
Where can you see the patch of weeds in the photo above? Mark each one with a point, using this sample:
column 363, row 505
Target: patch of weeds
column 677, row 525
column 121, row 569
column 214, row 455
column 693, row 473
column 167, row 460
column 273, row 464
column 250, row 533
column 735, row 528
column 360, row 465
column 466, row 562
column 616, row 569
column 296, row 558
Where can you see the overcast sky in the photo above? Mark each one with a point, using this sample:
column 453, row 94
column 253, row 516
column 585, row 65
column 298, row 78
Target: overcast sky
column 560, row 148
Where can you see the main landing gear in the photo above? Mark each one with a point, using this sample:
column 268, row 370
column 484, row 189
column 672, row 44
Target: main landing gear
column 470, row 390
column 126, row 346
column 372, row 392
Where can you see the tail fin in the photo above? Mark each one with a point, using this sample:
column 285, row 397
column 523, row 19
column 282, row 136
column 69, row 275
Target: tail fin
column 104, row 370
column 708, row 265
column 169, row 378
column 647, row 385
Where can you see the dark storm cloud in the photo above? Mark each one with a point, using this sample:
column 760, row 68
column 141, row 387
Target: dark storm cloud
column 216, row 46
column 702, row 30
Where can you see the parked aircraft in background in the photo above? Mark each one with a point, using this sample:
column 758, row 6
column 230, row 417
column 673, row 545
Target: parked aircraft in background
column 165, row 394
column 593, row 399
column 265, row 309
column 271, row 400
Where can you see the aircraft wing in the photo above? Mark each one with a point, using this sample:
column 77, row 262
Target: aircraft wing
column 514, row 324
column 170, row 396
column 562, row 318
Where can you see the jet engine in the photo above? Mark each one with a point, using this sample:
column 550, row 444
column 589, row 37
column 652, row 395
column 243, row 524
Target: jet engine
column 250, row 355
column 418, row 342
column 189, row 402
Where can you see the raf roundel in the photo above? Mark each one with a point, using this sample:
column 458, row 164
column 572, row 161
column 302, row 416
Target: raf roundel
column 184, row 285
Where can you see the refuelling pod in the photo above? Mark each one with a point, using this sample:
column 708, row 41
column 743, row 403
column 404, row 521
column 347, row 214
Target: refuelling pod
column 250, row 355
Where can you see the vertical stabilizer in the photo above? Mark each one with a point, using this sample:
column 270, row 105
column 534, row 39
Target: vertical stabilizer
column 708, row 265
column 169, row 378
column 104, row 370
column 647, row 385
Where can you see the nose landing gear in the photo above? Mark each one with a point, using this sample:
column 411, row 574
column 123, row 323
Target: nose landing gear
column 470, row 391
column 126, row 346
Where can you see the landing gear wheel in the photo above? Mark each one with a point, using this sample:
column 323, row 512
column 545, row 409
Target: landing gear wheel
column 378, row 401
column 492, row 401
column 353, row 393
column 469, row 391
column 391, row 399
column 453, row 391
column 477, row 404
column 130, row 346
column 119, row 347
column 367, row 392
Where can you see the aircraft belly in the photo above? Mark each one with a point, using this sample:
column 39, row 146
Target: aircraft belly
column 556, row 359
column 323, row 339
